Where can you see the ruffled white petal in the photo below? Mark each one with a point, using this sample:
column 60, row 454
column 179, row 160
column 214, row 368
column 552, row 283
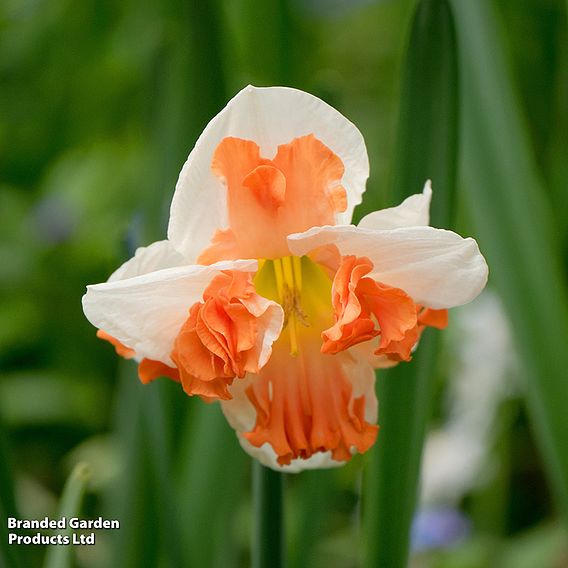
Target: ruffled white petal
column 156, row 256
column 414, row 211
column 267, row 457
column 362, row 376
column 146, row 312
column 270, row 322
column 366, row 352
column 270, row 117
column 437, row 268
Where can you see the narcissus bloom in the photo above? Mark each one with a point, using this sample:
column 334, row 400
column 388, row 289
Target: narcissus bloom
column 266, row 298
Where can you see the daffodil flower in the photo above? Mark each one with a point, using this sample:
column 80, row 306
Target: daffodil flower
column 266, row 298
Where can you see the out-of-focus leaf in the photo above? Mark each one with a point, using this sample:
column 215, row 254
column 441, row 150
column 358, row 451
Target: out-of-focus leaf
column 211, row 483
column 29, row 400
column 427, row 149
column 544, row 546
column 158, row 421
column 133, row 500
column 9, row 555
column 71, row 500
column 516, row 228
column 315, row 500
column 269, row 39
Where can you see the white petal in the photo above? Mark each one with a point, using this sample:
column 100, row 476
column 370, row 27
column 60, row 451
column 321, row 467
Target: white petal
column 266, row 456
column 156, row 256
column 270, row 322
column 146, row 312
column 362, row 378
column 437, row 268
column 239, row 410
column 414, row 211
column 268, row 116
column 366, row 351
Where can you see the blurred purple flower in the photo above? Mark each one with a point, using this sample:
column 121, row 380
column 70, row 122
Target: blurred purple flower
column 438, row 528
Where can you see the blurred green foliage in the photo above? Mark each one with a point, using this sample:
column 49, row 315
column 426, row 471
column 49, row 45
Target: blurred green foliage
column 99, row 106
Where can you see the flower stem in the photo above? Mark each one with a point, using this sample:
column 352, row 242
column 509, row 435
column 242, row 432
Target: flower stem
column 268, row 535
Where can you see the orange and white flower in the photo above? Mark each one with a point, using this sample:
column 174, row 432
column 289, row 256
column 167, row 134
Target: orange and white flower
column 265, row 297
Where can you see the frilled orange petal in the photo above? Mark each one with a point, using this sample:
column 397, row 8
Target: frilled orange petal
column 396, row 313
column 148, row 370
column 433, row 318
column 365, row 308
column 312, row 173
column 426, row 317
column 120, row 348
column 218, row 341
column 305, row 405
column 266, row 199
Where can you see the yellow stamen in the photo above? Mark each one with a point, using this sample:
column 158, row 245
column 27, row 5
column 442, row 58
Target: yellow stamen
column 290, row 302
column 279, row 278
column 302, row 289
column 297, row 265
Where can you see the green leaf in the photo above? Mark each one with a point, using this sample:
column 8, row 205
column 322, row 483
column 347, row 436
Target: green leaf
column 269, row 40
column 133, row 499
column 317, row 495
column 516, row 229
column 427, row 149
column 62, row 556
column 268, row 546
column 211, row 483
column 9, row 555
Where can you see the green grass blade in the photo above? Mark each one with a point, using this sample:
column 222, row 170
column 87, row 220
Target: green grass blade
column 427, row 148
column 316, row 497
column 132, row 500
column 268, row 537
column 62, row 556
column 9, row 555
column 270, row 41
column 7, row 498
column 516, row 229
column 428, row 123
column 210, row 485
column 157, row 427
column 189, row 87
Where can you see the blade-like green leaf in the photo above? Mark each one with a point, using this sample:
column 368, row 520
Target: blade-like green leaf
column 315, row 501
column 133, row 501
column 188, row 85
column 269, row 40
column 62, row 556
column 6, row 481
column 210, row 485
column 157, row 428
column 268, row 537
column 516, row 228
column 9, row 555
column 427, row 149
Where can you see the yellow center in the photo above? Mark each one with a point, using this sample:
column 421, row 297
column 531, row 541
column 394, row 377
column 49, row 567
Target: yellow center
column 303, row 289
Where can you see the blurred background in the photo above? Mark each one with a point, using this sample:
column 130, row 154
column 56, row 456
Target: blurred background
column 100, row 103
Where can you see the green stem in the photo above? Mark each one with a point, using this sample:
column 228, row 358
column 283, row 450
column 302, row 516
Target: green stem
column 268, row 537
